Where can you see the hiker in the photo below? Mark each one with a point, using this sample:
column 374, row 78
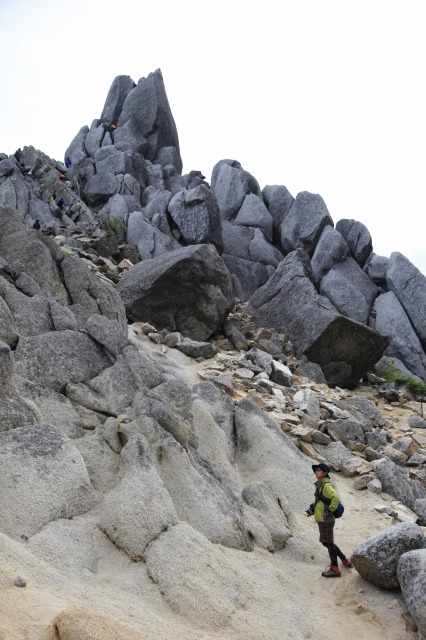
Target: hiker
column 37, row 225
column 62, row 176
column 68, row 162
column 326, row 501
column 61, row 203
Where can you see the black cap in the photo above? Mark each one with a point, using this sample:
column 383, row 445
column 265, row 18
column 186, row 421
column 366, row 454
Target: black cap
column 321, row 467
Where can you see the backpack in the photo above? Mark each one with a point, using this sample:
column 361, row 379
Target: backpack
column 338, row 512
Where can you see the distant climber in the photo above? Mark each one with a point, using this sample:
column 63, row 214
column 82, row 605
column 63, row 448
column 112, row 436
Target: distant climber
column 37, row 225
column 62, row 176
column 61, row 203
column 68, row 162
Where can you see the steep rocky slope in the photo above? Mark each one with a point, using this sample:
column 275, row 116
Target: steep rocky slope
column 156, row 436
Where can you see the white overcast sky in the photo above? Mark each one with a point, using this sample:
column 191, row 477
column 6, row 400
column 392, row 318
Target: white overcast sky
column 326, row 96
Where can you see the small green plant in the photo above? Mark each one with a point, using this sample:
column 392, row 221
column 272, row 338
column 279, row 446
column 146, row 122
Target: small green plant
column 393, row 374
column 115, row 226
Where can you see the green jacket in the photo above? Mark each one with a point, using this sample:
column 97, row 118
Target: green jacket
column 328, row 491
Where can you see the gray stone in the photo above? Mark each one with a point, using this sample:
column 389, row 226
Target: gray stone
column 150, row 241
column 230, row 184
column 376, row 558
column 391, row 319
column 334, row 454
column 42, row 478
column 375, row 486
column 409, row 286
column 119, row 90
column 420, row 509
column 261, row 507
column 253, row 213
column 279, row 201
column 8, row 333
column 310, row 370
column 261, row 359
column 281, row 374
column 361, row 482
column 179, row 561
column 307, row 401
column 376, row 267
column 200, row 498
column 109, row 333
column 397, row 484
column 346, row 431
column 77, row 151
column 89, row 295
column 411, row 574
column 416, row 422
column 100, row 188
column 94, row 138
column 146, row 109
column 59, row 357
column 331, row 249
column 289, row 302
column 358, row 239
column 304, row 223
column 197, row 216
column 350, row 290
column 188, row 290
column 139, row 508
column 62, row 317
column 265, row 453
column 195, row 349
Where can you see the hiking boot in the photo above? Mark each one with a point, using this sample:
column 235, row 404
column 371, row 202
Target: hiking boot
column 347, row 562
column 331, row 572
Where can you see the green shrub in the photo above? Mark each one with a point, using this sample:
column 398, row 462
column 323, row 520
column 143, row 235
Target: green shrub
column 115, row 226
column 393, row 374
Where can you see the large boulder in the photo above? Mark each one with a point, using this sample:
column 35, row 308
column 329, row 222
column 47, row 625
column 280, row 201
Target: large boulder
column 196, row 214
column 195, row 577
column 331, row 249
column 376, row 559
column 200, row 498
column 376, row 267
column 147, row 112
column 304, row 223
column 188, row 290
column 409, row 286
column 42, row 478
column 59, row 357
column 289, row 302
column 230, row 185
column 139, row 508
column 411, row 574
column 397, row 484
column 253, row 213
column 389, row 318
column 350, row 290
column 119, row 90
column 358, row 239
column 278, row 199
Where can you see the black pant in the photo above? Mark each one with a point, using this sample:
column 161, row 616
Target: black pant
column 333, row 552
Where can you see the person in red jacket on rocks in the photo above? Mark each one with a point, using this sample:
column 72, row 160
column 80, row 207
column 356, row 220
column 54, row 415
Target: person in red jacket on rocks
column 325, row 519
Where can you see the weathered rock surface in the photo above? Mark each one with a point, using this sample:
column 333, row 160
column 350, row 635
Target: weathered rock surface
column 391, row 320
column 43, row 478
column 289, row 302
column 188, row 290
column 411, row 573
column 377, row 558
column 409, row 286
column 304, row 223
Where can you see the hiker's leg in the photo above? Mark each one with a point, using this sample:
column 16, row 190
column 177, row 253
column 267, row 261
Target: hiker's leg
column 339, row 552
column 331, row 548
